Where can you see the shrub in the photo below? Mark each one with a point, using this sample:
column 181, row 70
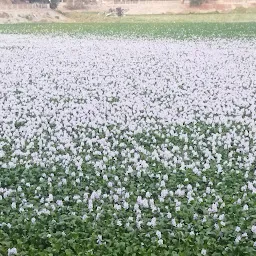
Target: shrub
column 196, row 2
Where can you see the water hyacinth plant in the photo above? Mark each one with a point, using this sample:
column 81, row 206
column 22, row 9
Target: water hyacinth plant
column 113, row 146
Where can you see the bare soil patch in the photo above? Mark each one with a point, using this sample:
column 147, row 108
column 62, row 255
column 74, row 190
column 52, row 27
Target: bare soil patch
column 31, row 15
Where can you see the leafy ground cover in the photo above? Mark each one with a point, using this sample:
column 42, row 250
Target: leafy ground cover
column 179, row 30
column 121, row 146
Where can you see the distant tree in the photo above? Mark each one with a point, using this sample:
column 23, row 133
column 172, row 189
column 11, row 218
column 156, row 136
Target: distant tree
column 196, row 2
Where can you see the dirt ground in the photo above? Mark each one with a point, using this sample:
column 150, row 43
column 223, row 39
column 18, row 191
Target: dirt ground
column 31, row 15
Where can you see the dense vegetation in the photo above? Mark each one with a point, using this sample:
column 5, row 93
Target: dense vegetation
column 163, row 30
column 131, row 144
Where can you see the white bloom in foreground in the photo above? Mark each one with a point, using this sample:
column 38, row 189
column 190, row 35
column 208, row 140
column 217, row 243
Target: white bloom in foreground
column 169, row 215
column 160, row 242
column 245, row 208
column 12, row 251
column 174, row 222
column 253, row 229
column 237, row 240
column 99, row 239
column 203, row 252
column 192, row 233
column 2, row 154
column 221, row 217
column 238, row 229
column 244, row 235
column 158, row 233
column 152, row 223
column 59, row 202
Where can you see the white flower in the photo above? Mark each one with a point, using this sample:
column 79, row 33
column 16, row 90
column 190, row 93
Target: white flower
column 12, row 251
column 165, row 177
column 50, row 198
column 253, row 229
column 2, row 154
column 238, row 229
column 153, row 222
column 216, row 226
column 203, row 252
column 208, row 190
column 158, row 233
column 174, row 222
column 115, row 197
column 164, row 193
column 117, row 207
column 192, row 233
column 245, row 208
column 125, row 205
column 160, row 242
column 189, row 187
column 169, row 215
column 59, row 202
column 99, row 239
column 179, row 225
column 244, row 235
column 221, row 217
column 237, row 240
column 222, row 223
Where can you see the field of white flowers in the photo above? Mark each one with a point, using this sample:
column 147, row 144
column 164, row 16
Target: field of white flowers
column 127, row 146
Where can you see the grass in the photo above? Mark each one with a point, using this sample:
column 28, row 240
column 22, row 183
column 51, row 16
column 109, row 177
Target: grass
column 163, row 30
column 238, row 15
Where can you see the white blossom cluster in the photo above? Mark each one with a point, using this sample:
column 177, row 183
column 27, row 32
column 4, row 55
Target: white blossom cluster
column 161, row 133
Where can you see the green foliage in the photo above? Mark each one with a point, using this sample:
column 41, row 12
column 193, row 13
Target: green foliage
column 154, row 30
column 62, row 233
